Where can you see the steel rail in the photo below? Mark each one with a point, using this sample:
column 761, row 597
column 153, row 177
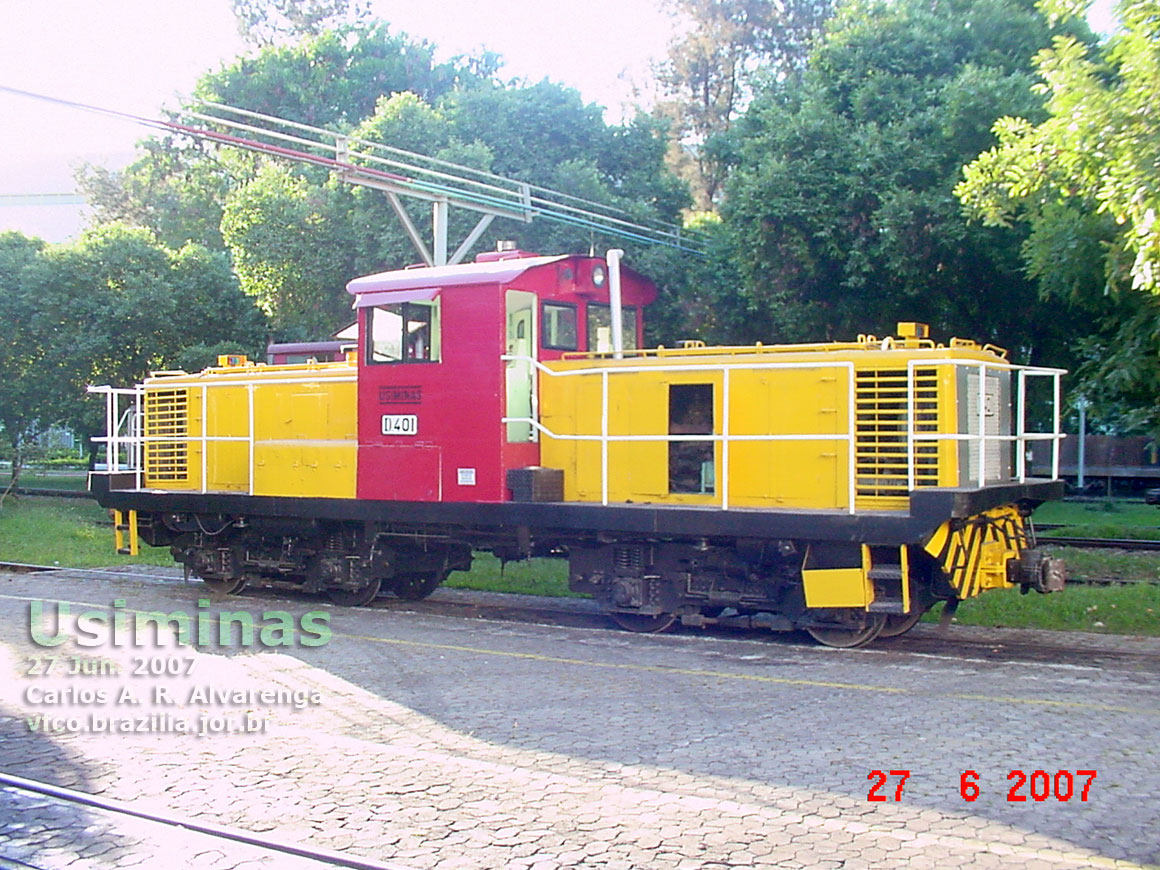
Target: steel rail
column 327, row 856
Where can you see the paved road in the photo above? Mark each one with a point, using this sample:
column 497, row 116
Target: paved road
column 429, row 741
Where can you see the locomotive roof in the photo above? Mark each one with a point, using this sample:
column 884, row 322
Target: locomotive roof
column 433, row 277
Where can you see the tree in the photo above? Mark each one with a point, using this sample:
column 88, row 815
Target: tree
column 841, row 202
column 1098, row 148
column 334, row 79
column 710, row 72
column 264, row 22
column 23, row 411
column 297, row 240
column 1084, row 180
column 113, row 306
column 297, row 234
column 290, row 251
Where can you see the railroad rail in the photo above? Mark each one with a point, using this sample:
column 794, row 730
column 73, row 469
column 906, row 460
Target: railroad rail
column 1098, row 543
column 171, row 820
column 22, row 568
column 59, row 493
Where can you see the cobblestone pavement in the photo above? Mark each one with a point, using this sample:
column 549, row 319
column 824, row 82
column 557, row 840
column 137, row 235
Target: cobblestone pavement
column 430, row 742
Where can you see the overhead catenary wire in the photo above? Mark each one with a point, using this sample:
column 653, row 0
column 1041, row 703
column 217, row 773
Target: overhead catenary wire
column 403, row 171
column 497, row 192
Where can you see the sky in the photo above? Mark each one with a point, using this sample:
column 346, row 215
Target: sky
column 137, row 56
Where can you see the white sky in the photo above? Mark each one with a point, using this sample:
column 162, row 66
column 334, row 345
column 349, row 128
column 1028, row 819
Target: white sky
column 138, row 55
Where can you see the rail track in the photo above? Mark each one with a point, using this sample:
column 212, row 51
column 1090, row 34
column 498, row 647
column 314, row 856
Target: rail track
column 165, row 820
column 960, row 642
column 22, row 568
column 1137, row 544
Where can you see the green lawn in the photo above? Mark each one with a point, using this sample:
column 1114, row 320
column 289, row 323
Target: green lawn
column 38, row 479
column 1103, row 518
column 1133, row 609
column 71, row 532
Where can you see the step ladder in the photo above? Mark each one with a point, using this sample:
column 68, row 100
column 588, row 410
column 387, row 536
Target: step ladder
column 893, row 579
column 125, row 523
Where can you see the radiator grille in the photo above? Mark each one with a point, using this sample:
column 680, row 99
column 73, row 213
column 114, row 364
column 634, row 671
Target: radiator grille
column 166, row 428
column 881, row 421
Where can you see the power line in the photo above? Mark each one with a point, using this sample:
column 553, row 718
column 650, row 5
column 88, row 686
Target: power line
column 406, row 173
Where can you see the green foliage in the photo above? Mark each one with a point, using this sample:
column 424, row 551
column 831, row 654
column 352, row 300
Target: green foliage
column 290, row 252
column 842, row 201
column 297, row 236
column 712, row 68
column 263, row 22
column 22, row 350
column 1084, row 179
column 335, row 78
column 1099, row 146
column 106, row 309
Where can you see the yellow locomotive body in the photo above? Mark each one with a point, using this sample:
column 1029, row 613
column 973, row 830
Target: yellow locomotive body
column 830, row 429
column 287, row 430
column 839, row 488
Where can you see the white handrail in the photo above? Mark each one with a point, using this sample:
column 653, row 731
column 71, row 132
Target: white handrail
column 726, row 437
column 1021, row 436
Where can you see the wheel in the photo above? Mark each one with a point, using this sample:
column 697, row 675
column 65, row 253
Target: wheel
column 225, row 585
column 354, row 597
column 414, row 587
column 849, row 630
column 643, row 623
column 900, row 623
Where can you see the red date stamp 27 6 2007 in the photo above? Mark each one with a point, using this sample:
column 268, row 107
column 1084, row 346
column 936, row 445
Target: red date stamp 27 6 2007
column 1038, row 785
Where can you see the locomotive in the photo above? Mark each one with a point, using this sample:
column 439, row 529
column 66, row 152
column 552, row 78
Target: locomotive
column 509, row 405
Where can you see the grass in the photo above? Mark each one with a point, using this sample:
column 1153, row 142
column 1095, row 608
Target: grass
column 41, row 479
column 1102, row 518
column 72, row 533
column 1133, row 609
column 532, row 577
column 77, row 533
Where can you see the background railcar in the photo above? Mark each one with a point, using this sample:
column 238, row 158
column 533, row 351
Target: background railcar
column 508, row 405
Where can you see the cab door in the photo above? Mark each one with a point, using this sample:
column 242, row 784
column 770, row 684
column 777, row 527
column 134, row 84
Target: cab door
column 520, row 373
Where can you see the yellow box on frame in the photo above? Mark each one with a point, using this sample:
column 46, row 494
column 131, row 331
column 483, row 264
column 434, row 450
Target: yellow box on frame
column 807, row 428
column 295, row 425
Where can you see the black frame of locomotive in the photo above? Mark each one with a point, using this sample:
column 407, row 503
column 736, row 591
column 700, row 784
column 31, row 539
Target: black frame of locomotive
column 640, row 561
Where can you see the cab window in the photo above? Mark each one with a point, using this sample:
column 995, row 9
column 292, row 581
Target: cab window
column 600, row 328
column 403, row 332
column 558, row 326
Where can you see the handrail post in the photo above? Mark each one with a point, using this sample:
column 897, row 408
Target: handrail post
column 252, row 434
column 1021, row 428
column 110, row 430
column 911, row 470
column 725, row 441
column 851, row 438
column 982, row 424
column 139, row 407
column 1055, row 441
column 204, row 439
column 604, row 437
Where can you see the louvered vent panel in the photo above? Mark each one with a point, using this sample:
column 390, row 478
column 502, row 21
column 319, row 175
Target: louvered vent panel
column 880, row 443
column 166, row 417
